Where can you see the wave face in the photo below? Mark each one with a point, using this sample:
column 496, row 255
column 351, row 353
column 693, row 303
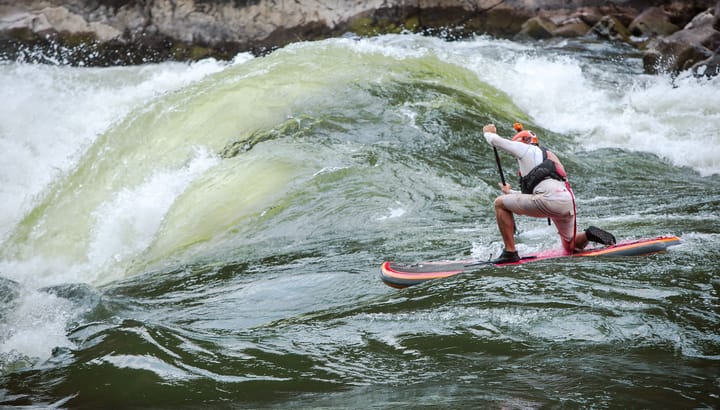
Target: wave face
column 211, row 233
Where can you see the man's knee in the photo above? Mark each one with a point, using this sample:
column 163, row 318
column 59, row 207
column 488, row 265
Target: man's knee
column 499, row 204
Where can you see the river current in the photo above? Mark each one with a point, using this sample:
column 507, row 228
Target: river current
column 210, row 234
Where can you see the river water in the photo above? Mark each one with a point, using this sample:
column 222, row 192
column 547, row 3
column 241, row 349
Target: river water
column 210, row 234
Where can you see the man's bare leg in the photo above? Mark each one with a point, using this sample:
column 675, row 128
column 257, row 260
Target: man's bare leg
column 506, row 224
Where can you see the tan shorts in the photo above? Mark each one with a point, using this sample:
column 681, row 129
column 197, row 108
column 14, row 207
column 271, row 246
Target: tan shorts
column 550, row 199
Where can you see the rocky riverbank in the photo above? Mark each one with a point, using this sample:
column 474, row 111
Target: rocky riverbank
column 673, row 35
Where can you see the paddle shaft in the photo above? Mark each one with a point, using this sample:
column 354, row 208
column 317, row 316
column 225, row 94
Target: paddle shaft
column 497, row 160
column 502, row 179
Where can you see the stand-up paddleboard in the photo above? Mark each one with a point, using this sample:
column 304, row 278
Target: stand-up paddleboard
column 401, row 275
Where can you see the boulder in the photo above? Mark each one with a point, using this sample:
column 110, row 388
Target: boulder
column 652, row 22
column 698, row 42
column 611, row 28
column 572, row 28
column 537, row 28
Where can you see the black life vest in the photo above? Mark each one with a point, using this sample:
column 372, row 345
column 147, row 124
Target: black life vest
column 545, row 170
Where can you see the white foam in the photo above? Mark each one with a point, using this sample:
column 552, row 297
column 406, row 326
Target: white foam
column 675, row 119
column 393, row 46
column 394, row 212
column 36, row 324
column 122, row 228
column 49, row 115
column 162, row 369
column 126, row 225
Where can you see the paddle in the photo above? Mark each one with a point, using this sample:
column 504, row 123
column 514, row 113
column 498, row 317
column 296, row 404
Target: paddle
column 497, row 160
column 502, row 179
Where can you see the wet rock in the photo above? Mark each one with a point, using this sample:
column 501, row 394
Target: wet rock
column 652, row 22
column 537, row 28
column 709, row 67
column 611, row 28
column 694, row 47
column 572, row 28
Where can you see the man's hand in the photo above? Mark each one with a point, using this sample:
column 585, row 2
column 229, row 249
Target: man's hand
column 488, row 132
column 505, row 188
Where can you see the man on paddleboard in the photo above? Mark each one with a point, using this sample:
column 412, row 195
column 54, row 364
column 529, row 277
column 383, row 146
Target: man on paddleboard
column 545, row 193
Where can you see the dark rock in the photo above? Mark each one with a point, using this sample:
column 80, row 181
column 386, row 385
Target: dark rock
column 652, row 22
column 673, row 57
column 537, row 28
column 589, row 16
column 709, row 67
column 682, row 12
column 573, row 28
column 611, row 28
column 697, row 42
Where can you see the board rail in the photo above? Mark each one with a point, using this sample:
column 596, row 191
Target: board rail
column 402, row 275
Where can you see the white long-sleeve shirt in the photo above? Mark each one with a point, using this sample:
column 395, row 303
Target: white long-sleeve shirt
column 529, row 156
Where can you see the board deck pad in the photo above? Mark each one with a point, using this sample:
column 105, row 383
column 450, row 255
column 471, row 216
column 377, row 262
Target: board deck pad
column 401, row 275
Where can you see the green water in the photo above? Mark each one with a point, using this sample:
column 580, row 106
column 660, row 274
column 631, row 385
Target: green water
column 219, row 245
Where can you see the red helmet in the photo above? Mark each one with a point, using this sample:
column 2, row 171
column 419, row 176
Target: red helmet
column 527, row 137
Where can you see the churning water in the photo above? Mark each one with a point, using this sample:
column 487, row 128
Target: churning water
column 211, row 233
